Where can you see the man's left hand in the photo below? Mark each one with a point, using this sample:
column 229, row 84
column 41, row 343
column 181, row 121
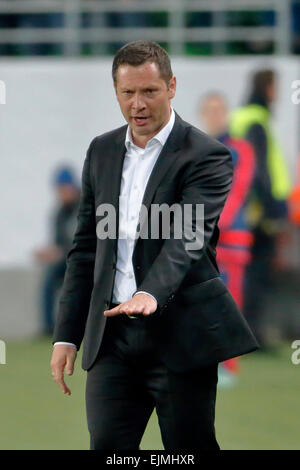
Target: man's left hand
column 139, row 304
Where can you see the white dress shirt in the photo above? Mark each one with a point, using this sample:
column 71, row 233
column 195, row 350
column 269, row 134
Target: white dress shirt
column 137, row 168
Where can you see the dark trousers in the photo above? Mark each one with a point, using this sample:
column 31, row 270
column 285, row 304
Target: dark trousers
column 128, row 380
column 259, row 279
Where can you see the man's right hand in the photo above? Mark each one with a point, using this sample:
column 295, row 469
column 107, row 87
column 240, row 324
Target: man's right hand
column 63, row 358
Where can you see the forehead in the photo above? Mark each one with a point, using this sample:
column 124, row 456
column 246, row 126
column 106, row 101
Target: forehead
column 138, row 76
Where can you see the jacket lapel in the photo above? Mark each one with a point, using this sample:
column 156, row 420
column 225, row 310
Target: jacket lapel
column 110, row 181
column 114, row 176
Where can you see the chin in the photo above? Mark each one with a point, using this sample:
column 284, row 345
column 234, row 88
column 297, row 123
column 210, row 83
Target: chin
column 144, row 131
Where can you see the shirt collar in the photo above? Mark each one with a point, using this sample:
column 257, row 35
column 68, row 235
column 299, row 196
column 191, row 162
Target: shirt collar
column 160, row 137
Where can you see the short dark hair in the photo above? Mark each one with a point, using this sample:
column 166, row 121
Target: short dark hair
column 261, row 80
column 138, row 53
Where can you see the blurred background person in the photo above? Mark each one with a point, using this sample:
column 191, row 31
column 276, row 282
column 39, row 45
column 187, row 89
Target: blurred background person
column 235, row 241
column 268, row 209
column 53, row 257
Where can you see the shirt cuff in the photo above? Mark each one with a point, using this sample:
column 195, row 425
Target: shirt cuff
column 64, row 342
column 147, row 293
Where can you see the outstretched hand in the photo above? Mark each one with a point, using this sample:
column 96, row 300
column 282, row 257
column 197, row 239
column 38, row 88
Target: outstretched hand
column 140, row 304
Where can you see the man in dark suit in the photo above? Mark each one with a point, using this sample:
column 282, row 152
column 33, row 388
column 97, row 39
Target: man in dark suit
column 155, row 316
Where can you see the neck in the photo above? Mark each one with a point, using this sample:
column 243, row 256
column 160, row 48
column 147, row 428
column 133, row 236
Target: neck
column 141, row 140
column 256, row 98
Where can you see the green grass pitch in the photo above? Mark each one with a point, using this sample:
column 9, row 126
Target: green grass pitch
column 261, row 412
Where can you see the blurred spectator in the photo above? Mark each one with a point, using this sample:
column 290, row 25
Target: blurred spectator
column 268, row 208
column 53, row 257
column 235, row 241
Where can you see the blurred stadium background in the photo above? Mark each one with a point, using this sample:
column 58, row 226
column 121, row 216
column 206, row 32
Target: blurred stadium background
column 56, row 95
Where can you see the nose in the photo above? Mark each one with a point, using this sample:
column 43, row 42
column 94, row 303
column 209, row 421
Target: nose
column 137, row 102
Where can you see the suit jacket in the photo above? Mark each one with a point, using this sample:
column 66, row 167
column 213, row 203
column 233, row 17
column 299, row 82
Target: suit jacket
column 197, row 322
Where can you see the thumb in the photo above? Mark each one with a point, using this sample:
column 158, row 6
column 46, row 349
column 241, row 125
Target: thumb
column 70, row 365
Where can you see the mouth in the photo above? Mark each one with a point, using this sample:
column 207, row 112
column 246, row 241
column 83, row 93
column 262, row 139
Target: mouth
column 141, row 120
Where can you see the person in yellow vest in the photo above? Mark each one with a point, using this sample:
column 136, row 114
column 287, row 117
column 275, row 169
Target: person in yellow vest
column 267, row 210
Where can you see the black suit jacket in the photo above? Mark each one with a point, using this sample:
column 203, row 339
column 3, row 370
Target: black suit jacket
column 197, row 321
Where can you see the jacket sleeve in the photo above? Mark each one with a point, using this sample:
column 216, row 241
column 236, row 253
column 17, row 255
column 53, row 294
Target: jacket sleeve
column 207, row 183
column 78, row 281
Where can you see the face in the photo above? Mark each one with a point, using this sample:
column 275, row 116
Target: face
column 67, row 193
column 144, row 99
column 214, row 116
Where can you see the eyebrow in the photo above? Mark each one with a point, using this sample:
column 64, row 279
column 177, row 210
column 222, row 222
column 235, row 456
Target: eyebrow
column 150, row 87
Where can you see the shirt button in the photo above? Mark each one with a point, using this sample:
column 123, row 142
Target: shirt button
column 130, row 275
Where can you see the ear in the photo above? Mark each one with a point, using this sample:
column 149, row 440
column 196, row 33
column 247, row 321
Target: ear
column 172, row 87
column 116, row 91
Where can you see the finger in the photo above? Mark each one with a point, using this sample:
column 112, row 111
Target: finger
column 130, row 309
column 65, row 389
column 58, row 374
column 57, row 368
column 146, row 312
column 70, row 365
column 59, row 379
column 112, row 312
column 135, row 310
